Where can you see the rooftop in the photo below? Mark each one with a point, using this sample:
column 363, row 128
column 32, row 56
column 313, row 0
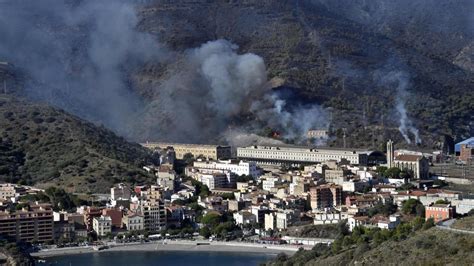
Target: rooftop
column 408, row 158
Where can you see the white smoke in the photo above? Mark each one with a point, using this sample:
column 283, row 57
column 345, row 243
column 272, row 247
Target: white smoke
column 400, row 79
column 214, row 88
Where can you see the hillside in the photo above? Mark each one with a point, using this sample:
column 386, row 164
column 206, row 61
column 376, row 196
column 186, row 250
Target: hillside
column 430, row 247
column 44, row 146
column 326, row 55
column 363, row 68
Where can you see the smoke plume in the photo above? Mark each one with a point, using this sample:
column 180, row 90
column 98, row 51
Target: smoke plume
column 81, row 56
column 400, row 80
column 214, row 88
column 76, row 56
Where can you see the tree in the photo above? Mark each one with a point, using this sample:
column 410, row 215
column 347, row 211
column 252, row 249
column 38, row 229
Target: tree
column 228, row 196
column 188, row 158
column 442, row 201
column 428, row 224
column 205, row 232
column 413, row 206
column 381, row 170
column 243, row 178
column 392, row 172
column 211, row 219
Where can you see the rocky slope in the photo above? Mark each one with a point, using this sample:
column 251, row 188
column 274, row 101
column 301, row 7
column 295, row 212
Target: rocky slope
column 431, row 247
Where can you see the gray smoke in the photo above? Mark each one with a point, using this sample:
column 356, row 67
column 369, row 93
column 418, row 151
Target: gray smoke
column 400, row 80
column 76, row 55
column 213, row 88
column 82, row 55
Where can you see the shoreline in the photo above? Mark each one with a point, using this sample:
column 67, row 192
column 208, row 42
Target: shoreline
column 187, row 246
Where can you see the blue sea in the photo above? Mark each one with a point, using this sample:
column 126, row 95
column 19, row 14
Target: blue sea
column 162, row 258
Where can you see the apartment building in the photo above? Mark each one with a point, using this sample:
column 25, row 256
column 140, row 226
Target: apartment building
column 325, row 196
column 33, row 223
column 102, row 225
column 154, row 215
column 89, row 214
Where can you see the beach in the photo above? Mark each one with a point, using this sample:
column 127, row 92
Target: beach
column 173, row 246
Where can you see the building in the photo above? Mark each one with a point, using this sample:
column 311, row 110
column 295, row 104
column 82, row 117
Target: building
column 165, row 177
column 439, row 212
column 244, row 218
column 115, row 215
column 325, row 196
column 418, row 165
column 213, row 178
column 328, row 217
column 236, row 167
column 120, row 192
column 9, row 191
column 273, row 155
column 213, row 152
column 270, row 221
column 102, row 225
column 133, row 222
column 390, row 153
column 33, row 223
column 286, row 218
column 465, row 150
column 336, row 176
column 154, row 216
column 317, row 134
column 89, row 214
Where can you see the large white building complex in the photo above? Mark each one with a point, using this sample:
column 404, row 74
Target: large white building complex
column 235, row 167
column 273, row 155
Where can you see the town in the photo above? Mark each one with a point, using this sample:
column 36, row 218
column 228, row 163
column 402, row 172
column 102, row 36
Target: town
column 254, row 194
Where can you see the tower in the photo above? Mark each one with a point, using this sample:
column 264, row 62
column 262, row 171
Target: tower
column 390, row 153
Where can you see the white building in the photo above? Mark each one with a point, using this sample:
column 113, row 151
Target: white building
column 239, row 168
column 244, row 217
column 270, row 221
column 286, row 218
column 270, row 183
column 330, row 217
column 213, row 178
column 133, row 222
column 102, row 225
column 273, row 155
